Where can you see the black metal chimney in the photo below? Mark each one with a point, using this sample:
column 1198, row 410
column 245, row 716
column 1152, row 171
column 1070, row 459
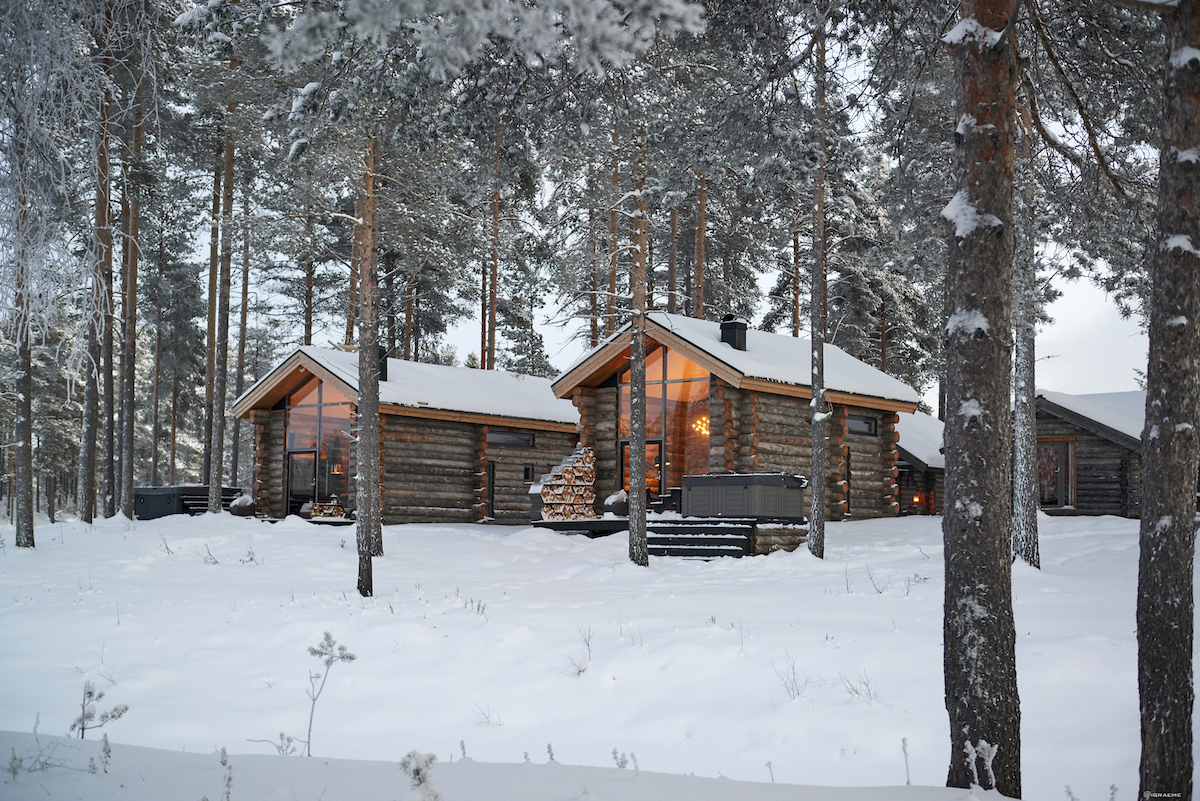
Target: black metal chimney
column 733, row 331
column 383, row 356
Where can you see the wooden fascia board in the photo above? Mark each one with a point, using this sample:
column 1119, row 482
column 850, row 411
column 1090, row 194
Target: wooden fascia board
column 594, row 369
column 481, row 419
column 277, row 383
column 665, row 336
column 832, row 396
column 1088, row 424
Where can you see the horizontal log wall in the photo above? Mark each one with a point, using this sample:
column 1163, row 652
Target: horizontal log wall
column 511, row 493
column 1108, row 476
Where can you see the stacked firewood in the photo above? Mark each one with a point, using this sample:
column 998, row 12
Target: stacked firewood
column 567, row 491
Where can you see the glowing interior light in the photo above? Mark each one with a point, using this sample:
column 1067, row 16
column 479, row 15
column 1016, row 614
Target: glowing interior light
column 701, row 425
column 337, row 469
column 916, row 499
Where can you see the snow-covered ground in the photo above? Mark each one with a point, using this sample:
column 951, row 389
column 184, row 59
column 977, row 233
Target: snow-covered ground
column 503, row 642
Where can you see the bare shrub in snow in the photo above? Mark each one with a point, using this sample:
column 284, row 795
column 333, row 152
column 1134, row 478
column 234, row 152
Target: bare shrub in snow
column 793, row 683
column 285, row 746
column 860, row 687
column 329, row 652
column 416, row 766
column 87, row 711
column 580, row 667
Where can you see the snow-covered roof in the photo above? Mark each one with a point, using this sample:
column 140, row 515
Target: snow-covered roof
column 450, row 389
column 1120, row 412
column 921, row 438
column 772, row 357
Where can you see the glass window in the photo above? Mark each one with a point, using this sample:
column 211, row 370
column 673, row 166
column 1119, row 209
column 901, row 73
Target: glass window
column 307, row 394
column 318, row 430
column 861, row 424
column 681, row 368
column 687, row 431
column 497, row 437
column 1056, row 473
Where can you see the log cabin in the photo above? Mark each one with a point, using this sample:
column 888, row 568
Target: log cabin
column 1090, row 453
column 723, row 398
column 922, row 466
column 457, row 444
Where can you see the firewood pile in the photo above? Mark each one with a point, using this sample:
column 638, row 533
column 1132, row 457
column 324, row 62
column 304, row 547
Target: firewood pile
column 567, row 491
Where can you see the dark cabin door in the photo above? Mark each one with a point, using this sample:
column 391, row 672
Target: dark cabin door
column 301, row 479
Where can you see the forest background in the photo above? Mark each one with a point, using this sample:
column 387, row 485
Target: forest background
column 182, row 183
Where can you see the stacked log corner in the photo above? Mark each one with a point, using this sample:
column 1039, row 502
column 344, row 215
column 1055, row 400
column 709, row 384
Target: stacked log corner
column 891, row 441
column 568, row 491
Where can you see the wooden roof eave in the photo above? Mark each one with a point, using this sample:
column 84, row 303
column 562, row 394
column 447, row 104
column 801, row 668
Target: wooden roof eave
column 275, row 385
column 1088, row 424
column 909, row 457
column 610, row 357
column 430, row 413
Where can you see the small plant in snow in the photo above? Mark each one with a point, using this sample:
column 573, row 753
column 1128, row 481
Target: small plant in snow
column 105, row 751
column 881, row 585
column 860, row 687
column 39, row 760
column 550, row 751
column 486, row 716
column 581, row 667
column 329, row 652
column 166, row 548
column 620, row 760
column 792, row 682
column 904, row 748
column 250, row 558
column 285, row 746
column 208, row 557
column 87, row 711
column 914, row 579
column 462, row 744
column 416, row 766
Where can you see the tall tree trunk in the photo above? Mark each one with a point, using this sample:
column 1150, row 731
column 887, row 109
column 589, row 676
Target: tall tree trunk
column 214, row 267
column 355, row 269
column 484, row 267
column 698, row 262
column 129, row 311
column 174, row 418
column 1165, row 611
column 122, row 292
column 610, row 302
column 673, row 266
column 495, row 276
column 638, row 549
column 239, row 381
column 108, row 473
column 369, row 532
column 594, row 281
column 1024, row 389
column 819, row 322
column 389, row 280
column 310, row 279
column 22, row 494
column 795, row 283
column 410, row 291
column 221, row 362
column 85, row 500
column 978, row 634
column 155, row 395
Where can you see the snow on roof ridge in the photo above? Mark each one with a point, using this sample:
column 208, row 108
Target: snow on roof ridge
column 454, row 389
column 786, row 359
column 1124, row 412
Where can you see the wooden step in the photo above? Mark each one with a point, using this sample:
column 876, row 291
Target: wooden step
column 704, row 538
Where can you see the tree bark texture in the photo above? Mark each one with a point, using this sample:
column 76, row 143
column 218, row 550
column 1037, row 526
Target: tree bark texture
column 214, row 267
column 129, row 312
column 673, row 265
column 368, row 501
column 355, row 269
column 698, row 261
column 495, row 275
column 98, row 304
column 638, row 548
column 978, row 635
column 610, row 302
column 22, row 321
column 1165, row 602
column 795, row 283
column 1024, row 390
column 221, row 362
column 818, row 312
column 239, row 381
column 593, row 281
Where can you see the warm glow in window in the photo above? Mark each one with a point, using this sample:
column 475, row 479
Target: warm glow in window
column 700, row 426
